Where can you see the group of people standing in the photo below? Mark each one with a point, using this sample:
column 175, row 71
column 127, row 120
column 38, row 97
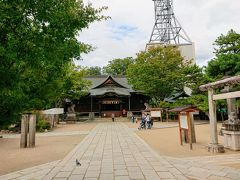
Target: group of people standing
column 146, row 121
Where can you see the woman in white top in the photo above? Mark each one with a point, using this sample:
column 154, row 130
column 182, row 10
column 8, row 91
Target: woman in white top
column 148, row 119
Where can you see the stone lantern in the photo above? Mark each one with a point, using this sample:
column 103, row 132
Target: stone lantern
column 231, row 132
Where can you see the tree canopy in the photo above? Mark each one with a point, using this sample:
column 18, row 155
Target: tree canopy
column 94, row 71
column 157, row 72
column 118, row 66
column 37, row 43
column 227, row 59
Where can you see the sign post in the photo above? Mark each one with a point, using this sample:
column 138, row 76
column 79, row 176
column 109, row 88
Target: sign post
column 156, row 112
column 185, row 123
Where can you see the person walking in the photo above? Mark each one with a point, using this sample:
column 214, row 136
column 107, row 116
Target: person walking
column 148, row 120
column 143, row 122
column 133, row 118
column 113, row 117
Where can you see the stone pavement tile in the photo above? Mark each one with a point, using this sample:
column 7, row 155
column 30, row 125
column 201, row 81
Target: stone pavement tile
column 233, row 176
column 93, row 168
column 68, row 168
column 180, row 177
column 214, row 177
column 29, row 170
column 129, row 160
column 116, row 162
column 196, row 174
column 10, row 176
column 56, row 178
column 183, row 170
column 131, row 164
column 229, row 170
column 119, row 166
column 160, row 168
column 107, row 160
column 106, row 177
column 95, row 163
column 33, row 175
column 211, row 167
column 146, row 167
column 148, row 172
column 90, row 178
column 136, row 175
column 134, row 169
column 165, row 175
column 107, row 170
column 122, row 178
column 76, row 177
column 79, row 171
column 108, row 166
column 217, row 173
column 152, row 177
column 121, row 172
column 38, row 178
column 174, row 171
column 92, row 174
column 63, row 174
column 156, row 163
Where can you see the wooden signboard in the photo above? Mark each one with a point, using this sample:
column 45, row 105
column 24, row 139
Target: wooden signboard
column 185, row 126
column 156, row 114
column 183, row 121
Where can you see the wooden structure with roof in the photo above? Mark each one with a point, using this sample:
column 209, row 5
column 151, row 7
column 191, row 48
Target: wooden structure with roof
column 108, row 95
column 186, row 123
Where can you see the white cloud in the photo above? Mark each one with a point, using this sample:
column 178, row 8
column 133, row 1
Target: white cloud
column 132, row 21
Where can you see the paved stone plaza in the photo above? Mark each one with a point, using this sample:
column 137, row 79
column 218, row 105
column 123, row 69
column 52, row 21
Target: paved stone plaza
column 112, row 151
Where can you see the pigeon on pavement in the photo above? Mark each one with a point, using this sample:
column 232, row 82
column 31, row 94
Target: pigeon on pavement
column 78, row 163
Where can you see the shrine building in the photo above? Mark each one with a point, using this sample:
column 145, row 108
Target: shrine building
column 108, row 95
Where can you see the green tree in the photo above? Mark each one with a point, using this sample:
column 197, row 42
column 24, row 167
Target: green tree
column 227, row 60
column 75, row 85
column 228, row 44
column 118, row 66
column 195, row 77
column 157, row 72
column 94, row 71
column 37, row 43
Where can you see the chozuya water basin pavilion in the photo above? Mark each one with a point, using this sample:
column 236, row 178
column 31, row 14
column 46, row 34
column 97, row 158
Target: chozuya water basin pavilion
column 108, row 95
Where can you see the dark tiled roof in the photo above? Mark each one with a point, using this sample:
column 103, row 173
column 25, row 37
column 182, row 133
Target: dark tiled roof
column 98, row 80
column 125, row 88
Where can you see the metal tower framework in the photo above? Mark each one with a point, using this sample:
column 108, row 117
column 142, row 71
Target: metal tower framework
column 167, row 29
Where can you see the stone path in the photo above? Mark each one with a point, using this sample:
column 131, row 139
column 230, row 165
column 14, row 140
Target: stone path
column 111, row 151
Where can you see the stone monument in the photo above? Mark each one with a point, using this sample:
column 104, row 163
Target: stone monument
column 71, row 114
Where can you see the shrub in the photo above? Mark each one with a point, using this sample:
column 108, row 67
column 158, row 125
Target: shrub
column 42, row 124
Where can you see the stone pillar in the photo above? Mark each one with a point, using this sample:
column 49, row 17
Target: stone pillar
column 231, row 104
column 91, row 116
column 24, row 131
column 52, row 116
column 32, row 130
column 213, row 146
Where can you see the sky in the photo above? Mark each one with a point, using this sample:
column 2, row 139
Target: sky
column 129, row 29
